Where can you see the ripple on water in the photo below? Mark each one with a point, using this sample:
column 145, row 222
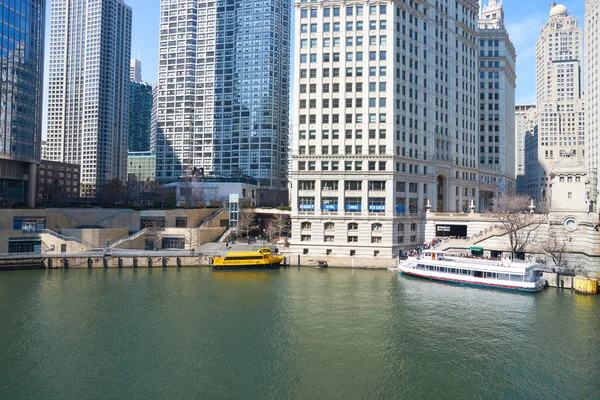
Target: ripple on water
column 295, row 333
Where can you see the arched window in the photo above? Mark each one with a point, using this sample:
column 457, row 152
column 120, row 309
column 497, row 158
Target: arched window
column 329, row 226
column 352, row 226
column 306, row 225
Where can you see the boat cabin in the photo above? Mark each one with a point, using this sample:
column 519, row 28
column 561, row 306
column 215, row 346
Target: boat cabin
column 433, row 255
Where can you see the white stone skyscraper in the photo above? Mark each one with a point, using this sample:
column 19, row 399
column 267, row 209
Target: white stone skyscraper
column 385, row 122
column 560, row 108
column 223, row 91
column 88, row 102
column 592, row 93
column 497, row 83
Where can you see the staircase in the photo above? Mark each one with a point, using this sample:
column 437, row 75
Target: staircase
column 127, row 238
column 216, row 214
column 492, row 231
column 65, row 238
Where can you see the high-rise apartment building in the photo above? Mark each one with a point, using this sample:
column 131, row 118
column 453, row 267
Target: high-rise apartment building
column 497, row 83
column 524, row 115
column 560, row 108
column 135, row 70
column 385, row 122
column 88, row 102
column 222, row 101
column 21, row 68
column 592, row 94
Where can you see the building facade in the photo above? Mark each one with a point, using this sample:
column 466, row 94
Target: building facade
column 21, row 67
column 222, row 101
column 592, row 94
column 88, row 103
column 140, row 116
column 560, row 108
column 523, row 115
column 142, row 164
column 57, row 182
column 135, row 70
column 385, row 122
column 497, row 83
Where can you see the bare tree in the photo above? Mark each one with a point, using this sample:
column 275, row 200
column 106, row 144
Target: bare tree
column 153, row 226
column 519, row 219
column 556, row 247
column 281, row 223
column 246, row 221
column 113, row 192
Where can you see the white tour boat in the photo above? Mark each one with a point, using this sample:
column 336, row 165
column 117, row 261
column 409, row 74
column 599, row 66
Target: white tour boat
column 437, row 265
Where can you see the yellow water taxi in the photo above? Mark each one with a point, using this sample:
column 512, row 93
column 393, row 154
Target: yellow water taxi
column 248, row 259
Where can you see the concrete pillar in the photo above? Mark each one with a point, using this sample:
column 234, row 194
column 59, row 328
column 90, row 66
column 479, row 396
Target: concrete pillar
column 30, row 191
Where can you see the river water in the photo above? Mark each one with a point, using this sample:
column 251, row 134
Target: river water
column 191, row 333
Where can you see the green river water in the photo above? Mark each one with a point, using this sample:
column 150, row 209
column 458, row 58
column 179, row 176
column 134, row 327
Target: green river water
column 191, row 333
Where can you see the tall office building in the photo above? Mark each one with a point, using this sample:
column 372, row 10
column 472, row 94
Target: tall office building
column 592, row 93
column 497, row 83
column 135, row 70
column 561, row 123
column 223, row 90
column 140, row 116
column 140, row 110
column 88, row 102
column 21, row 68
column 523, row 117
column 385, row 122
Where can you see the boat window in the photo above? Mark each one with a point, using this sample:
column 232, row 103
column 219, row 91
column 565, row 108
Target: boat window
column 503, row 277
column 442, row 269
column 465, row 272
column 491, row 275
column 478, row 274
column 516, row 278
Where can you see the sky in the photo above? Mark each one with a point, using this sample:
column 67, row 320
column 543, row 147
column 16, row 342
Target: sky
column 523, row 19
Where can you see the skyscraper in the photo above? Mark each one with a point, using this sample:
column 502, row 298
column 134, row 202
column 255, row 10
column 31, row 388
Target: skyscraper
column 21, row 69
column 558, row 93
column 523, row 117
column 497, row 82
column 592, row 93
column 140, row 116
column 140, row 110
column 88, row 103
column 223, row 90
column 135, row 70
column 385, row 122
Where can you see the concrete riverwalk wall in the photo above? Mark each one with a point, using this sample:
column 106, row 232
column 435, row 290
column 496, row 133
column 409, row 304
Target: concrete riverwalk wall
column 127, row 261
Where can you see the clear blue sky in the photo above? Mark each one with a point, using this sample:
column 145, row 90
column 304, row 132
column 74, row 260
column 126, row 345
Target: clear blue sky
column 524, row 20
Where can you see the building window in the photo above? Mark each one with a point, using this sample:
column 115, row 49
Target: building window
column 352, row 253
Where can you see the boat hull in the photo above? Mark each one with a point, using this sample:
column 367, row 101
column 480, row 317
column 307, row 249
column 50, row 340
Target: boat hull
column 275, row 265
column 486, row 285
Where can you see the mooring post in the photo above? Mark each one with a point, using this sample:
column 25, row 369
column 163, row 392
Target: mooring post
column 298, row 259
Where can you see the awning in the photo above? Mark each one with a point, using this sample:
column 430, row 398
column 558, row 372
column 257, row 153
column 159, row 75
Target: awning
column 476, row 248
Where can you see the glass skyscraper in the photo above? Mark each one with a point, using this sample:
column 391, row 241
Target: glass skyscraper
column 223, row 90
column 140, row 116
column 88, row 102
column 21, row 71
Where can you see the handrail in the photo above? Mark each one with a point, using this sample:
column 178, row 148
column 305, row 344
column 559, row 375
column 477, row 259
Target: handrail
column 128, row 237
column 65, row 238
column 211, row 217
